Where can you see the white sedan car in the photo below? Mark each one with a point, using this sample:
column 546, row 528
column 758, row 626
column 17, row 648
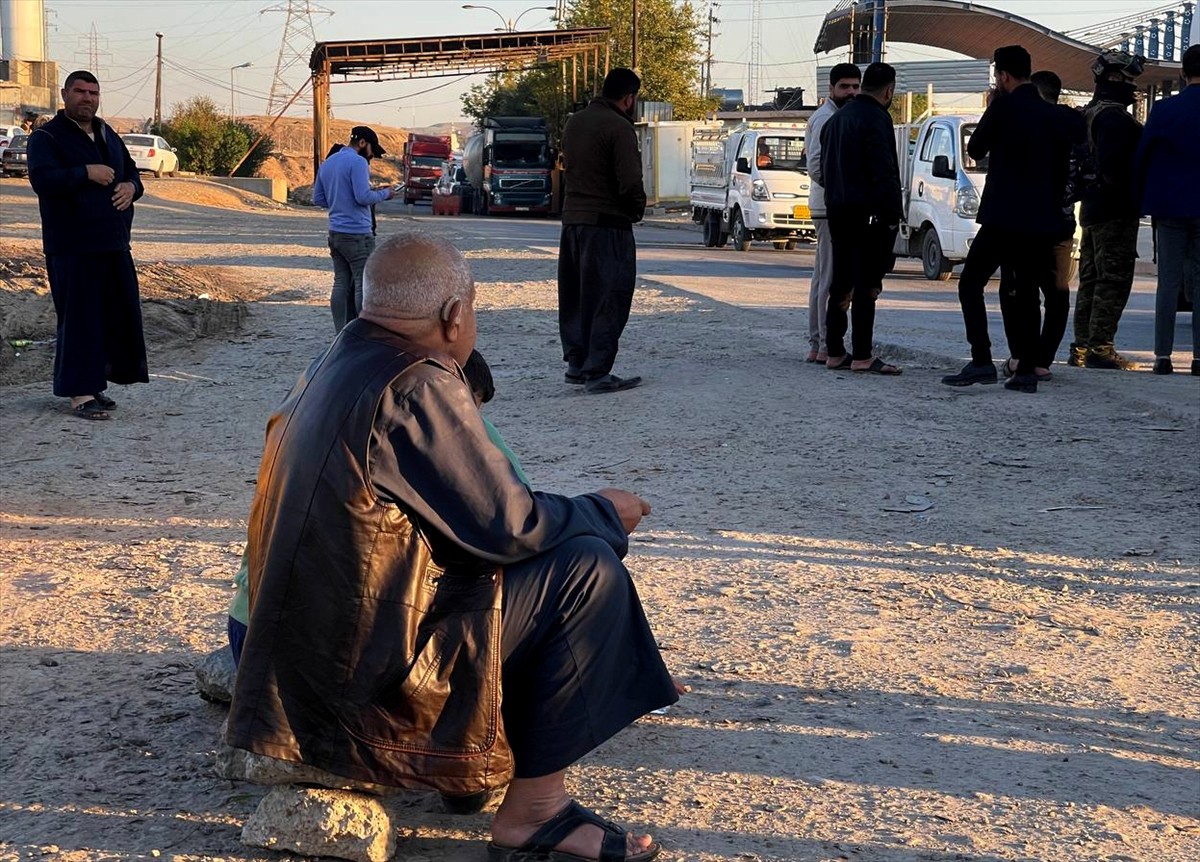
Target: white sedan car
column 152, row 153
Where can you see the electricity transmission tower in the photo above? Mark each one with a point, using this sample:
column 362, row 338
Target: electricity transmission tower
column 754, row 85
column 299, row 36
column 93, row 46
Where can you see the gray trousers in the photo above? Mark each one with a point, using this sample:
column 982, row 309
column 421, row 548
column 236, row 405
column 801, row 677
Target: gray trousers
column 349, row 252
column 1178, row 271
column 818, row 288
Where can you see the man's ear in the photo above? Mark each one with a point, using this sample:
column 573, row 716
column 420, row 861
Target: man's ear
column 452, row 320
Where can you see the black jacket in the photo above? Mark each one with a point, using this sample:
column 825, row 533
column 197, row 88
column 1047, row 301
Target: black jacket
column 1114, row 135
column 78, row 216
column 1026, row 141
column 858, row 161
column 604, row 168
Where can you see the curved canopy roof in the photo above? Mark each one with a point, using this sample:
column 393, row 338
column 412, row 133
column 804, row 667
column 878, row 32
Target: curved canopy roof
column 977, row 31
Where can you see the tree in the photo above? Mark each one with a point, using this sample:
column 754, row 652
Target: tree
column 207, row 142
column 668, row 56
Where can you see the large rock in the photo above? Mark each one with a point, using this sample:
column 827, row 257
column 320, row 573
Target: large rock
column 215, row 674
column 322, row 823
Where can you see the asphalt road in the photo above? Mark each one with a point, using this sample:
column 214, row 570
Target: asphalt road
column 915, row 318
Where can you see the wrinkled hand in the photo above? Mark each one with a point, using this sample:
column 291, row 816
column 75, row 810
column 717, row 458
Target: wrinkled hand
column 630, row 507
column 123, row 196
column 101, row 175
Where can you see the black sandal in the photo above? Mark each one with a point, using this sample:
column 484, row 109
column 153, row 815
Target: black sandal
column 104, row 401
column 842, row 364
column 90, row 409
column 540, row 846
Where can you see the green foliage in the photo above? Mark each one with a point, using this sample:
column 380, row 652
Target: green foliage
column 208, row 142
column 669, row 35
column 920, row 103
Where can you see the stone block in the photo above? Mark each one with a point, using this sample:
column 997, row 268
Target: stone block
column 318, row 822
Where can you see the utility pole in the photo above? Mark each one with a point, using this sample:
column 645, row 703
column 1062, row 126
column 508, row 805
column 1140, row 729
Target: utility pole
column 158, row 87
column 706, row 83
column 634, row 62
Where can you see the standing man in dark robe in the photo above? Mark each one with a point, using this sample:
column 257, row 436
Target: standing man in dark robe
column 86, row 184
column 401, row 575
column 597, row 256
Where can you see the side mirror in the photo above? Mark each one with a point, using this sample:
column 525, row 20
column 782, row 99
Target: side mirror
column 743, row 166
column 942, row 169
column 460, row 176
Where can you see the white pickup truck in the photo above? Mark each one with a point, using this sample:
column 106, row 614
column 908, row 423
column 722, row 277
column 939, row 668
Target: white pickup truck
column 941, row 189
column 750, row 182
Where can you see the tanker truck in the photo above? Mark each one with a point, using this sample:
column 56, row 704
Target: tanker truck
column 508, row 165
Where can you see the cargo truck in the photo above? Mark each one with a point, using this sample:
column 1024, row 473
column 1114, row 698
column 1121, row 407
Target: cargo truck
column 508, row 165
column 423, row 159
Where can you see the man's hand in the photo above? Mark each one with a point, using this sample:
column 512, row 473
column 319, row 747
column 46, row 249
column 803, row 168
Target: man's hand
column 123, row 195
column 630, row 507
column 101, row 175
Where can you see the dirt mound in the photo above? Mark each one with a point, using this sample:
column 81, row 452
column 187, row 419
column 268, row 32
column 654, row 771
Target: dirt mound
column 209, row 194
column 179, row 304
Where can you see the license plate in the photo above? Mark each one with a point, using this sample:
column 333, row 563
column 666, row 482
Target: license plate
column 521, row 209
column 801, row 211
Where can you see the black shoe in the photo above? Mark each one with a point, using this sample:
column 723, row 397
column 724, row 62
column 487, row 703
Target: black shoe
column 611, row 383
column 1162, row 365
column 1195, row 365
column 984, row 372
column 1022, row 383
column 575, row 378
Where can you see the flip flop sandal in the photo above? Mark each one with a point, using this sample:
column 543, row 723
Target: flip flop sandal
column 842, row 364
column 540, row 846
column 878, row 366
column 1044, row 377
column 104, row 401
column 1006, row 369
column 90, row 409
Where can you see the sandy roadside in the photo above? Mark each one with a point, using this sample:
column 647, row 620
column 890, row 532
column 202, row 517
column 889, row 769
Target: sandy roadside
column 920, row 624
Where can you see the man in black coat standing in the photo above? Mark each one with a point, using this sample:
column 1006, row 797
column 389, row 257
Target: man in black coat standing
column 1026, row 143
column 862, row 199
column 86, row 184
column 597, row 256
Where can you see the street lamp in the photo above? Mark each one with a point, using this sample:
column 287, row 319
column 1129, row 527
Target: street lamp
column 510, row 25
column 232, row 109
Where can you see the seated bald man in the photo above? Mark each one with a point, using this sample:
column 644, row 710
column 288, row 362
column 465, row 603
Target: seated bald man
column 401, row 574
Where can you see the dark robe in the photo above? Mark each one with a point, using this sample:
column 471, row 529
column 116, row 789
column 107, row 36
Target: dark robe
column 86, row 242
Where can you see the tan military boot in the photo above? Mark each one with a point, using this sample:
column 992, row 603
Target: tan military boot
column 1106, row 356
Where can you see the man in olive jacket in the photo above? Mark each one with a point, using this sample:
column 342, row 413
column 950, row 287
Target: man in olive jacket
column 597, row 257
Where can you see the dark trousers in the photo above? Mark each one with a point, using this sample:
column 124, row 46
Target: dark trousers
column 349, row 252
column 99, row 322
column 580, row 661
column 597, row 268
column 1106, row 262
column 1030, row 259
column 1178, row 274
column 1056, row 300
column 862, row 255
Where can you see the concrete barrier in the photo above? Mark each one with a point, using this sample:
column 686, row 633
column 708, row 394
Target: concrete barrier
column 275, row 189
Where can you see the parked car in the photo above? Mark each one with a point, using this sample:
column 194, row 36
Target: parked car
column 7, row 133
column 152, row 153
column 14, row 161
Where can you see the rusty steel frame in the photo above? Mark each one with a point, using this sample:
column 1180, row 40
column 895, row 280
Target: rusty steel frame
column 445, row 56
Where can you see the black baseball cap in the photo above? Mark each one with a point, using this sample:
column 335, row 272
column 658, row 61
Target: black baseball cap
column 366, row 133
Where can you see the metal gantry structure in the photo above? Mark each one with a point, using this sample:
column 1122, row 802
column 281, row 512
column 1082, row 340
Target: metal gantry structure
column 584, row 50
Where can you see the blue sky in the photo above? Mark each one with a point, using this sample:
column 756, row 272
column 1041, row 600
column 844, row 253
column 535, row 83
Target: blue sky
column 204, row 38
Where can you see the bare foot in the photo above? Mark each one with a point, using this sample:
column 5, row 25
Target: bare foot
column 680, row 687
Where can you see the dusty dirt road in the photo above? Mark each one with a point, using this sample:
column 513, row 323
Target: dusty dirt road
column 1004, row 669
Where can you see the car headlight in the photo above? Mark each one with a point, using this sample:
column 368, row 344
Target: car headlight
column 966, row 201
column 758, row 191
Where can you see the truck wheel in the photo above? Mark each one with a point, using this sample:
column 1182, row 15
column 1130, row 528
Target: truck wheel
column 790, row 245
column 779, row 245
column 933, row 262
column 710, row 228
column 741, row 236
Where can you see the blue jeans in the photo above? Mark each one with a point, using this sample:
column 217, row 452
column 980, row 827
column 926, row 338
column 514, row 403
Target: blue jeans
column 1178, row 271
column 349, row 252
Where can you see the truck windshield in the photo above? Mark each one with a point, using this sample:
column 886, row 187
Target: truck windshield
column 519, row 154
column 427, row 161
column 969, row 164
column 781, row 154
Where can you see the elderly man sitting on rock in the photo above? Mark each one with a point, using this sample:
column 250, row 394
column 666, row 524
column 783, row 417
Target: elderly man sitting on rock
column 401, row 572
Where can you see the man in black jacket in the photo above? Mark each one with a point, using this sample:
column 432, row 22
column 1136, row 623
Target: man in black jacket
column 1109, row 214
column 86, row 184
column 862, row 198
column 1026, row 143
column 597, row 257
